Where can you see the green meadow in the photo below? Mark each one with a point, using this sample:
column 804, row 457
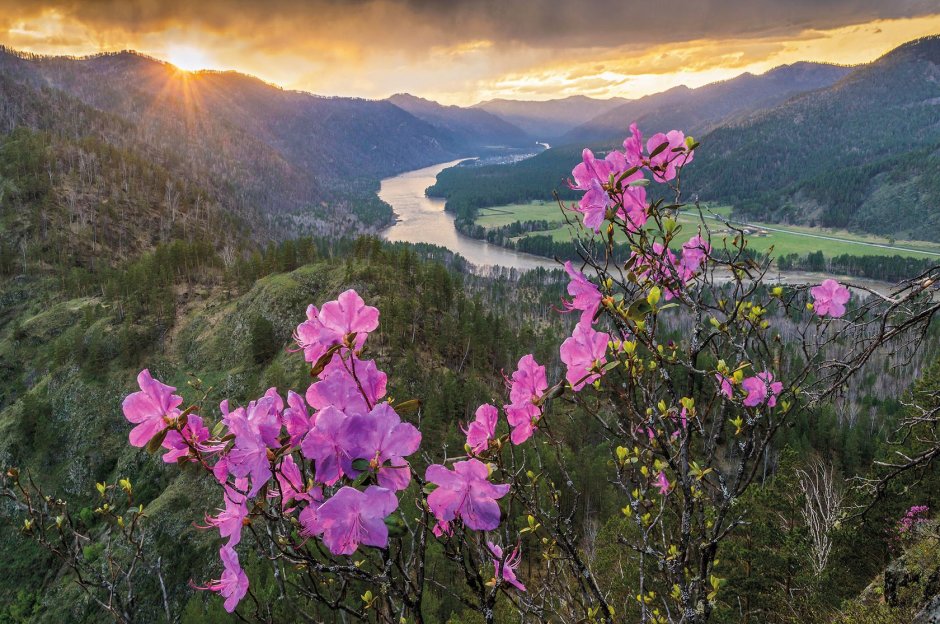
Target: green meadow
column 783, row 239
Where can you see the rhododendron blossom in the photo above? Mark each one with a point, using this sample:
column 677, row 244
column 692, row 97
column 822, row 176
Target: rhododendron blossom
column 382, row 438
column 724, row 385
column 761, row 389
column 232, row 518
column 633, row 147
column 350, row 518
column 665, row 164
column 829, row 298
column 585, row 296
column 297, row 418
column 330, row 325
column 662, row 483
column 505, row 569
column 694, row 255
column 482, row 429
column 179, row 443
column 326, row 446
column 526, row 387
column 152, row 409
column 591, row 175
column 256, row 429
column 233, row 585
column 352, row 386
column 291, row 486
column 584, row 351
column 465, row 493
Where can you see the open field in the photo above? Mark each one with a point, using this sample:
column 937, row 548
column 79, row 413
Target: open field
column 532, row 211
column 784, row 239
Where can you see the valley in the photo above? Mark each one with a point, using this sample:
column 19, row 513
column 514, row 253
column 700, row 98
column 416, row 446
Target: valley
column 763, row 237
column 219, row 231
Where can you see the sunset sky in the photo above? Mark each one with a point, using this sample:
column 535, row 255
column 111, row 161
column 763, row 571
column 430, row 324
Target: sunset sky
column 464, row 51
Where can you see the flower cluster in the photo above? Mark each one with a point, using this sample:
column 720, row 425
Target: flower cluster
column 761, row 389
column 663, row 269
column 912, row 518
column 355, row 444
column 615, row 185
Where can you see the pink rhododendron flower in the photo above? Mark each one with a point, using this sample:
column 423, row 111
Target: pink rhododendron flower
column 151, row 409
column 326, row 446
column 633, row 147
column 633, row 208
column 291, row 485
column 662, row 483
column 522, row 418
column 724, row 385
column 232, row 518
column 338, row 388
column 297, row 419
column 331, row 324
column 382, row 438
column 528, row 382
column 256, row 429
column 694, row 254
column 585, row 295
column 591, row 175
column 761, row 389
column 581, row 352
column 591, row 169
column 829, row 298
column 914, row 516
column 665, row 164
column 506, row 569
column 179, row 443
column 482, row 429
column 349, row 314
column 466, row 493
column 526, row 387
column 234, row 582
column 350, row 518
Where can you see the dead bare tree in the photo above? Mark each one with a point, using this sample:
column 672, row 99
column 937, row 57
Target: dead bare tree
column 823, row 498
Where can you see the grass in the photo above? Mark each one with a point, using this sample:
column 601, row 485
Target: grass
column 532, row 211
column 784, row 239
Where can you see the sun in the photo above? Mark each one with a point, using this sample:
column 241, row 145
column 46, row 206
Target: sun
column 187, row 57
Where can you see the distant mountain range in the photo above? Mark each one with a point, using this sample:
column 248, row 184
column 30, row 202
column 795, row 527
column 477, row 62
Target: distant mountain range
column 549, row 120
column 700, row 110
column 861, row 153
column 470, row 126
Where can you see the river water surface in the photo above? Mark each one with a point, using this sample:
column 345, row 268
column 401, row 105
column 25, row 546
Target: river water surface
column 421, row 219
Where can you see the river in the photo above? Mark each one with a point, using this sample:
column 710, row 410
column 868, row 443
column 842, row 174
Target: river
column 421, row 219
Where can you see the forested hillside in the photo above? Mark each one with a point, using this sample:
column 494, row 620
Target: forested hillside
column 70, row 352
column 472, row 126
column 844, row 156
column 290, row 159
column 840, row 156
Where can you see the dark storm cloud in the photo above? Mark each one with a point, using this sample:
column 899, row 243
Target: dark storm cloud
column 416, row 24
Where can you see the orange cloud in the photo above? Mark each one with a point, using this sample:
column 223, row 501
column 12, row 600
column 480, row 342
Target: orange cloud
column 469, row 50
